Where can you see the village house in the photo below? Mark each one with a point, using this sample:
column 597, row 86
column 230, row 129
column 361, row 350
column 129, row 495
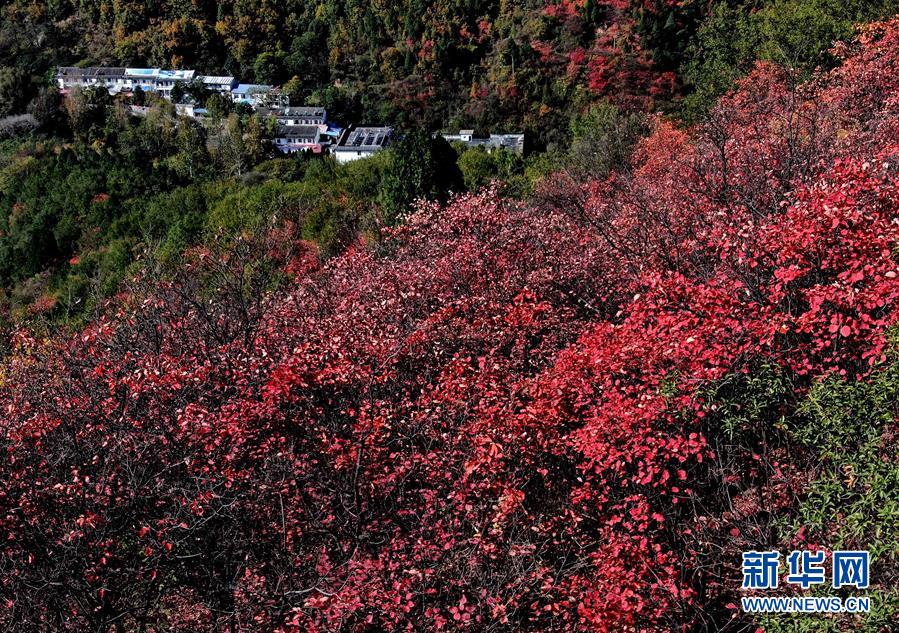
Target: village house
column 155, row 80
column 298, row 138
column 248, row 93
column 301, row 115
column 113, row 79
column 510, row 142
column 220, row 84
column 294, row 124
column 258, row 95
column 71, row 76
column 362, row 142
column 118, row 79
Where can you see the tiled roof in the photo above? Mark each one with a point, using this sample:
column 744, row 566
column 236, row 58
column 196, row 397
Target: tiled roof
column 367, row 138
column 297, row 131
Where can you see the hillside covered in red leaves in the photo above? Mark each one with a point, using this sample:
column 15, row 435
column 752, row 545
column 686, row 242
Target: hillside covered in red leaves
column 509, row 415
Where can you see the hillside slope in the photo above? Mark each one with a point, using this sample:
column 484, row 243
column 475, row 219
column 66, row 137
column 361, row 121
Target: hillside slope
column 571, row 414
column 503, row 65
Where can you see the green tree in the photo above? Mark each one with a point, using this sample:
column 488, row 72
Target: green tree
column 218, row 106
column 602, row 140
column 197, row 91
column 795, row 34
column 138, row 96
column 178, row 92
column 420, row 167
column 667, row 27
column 257, row 140
column 243, row 143
column 13, row 91
column 86, row 110
column 191, row 156
column 854, row 501
column 269, row 68
column 308, row 58
column 293, row 88
column 478, row 168
column 45, row 107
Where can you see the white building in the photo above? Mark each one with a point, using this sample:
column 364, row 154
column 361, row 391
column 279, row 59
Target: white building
column 362, row 142
column 113, row 79
column 301, row 115
column 186, row 109
column 220, row 84
column 258, row 95
column 118, row 79
column 298, row 138
column 509, row 142
column 156, row 79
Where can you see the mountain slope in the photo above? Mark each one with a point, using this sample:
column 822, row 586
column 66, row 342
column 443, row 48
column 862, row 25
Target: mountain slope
column 567, row 414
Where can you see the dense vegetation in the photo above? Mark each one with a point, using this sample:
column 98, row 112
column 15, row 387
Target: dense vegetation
column 567, row 411
column 86, row 189
column 95, row 188
column 455, row 63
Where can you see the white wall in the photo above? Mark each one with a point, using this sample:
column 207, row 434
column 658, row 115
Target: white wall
column 346, row 157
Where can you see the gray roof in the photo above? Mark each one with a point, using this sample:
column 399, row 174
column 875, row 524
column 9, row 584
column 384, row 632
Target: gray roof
column 301, row 111
column 506, row 140
column 111, row 72
column 297, row 131
column 513, row 142
column 247, row 89
column 226, row 80
column 75, row 72
column 366, row 138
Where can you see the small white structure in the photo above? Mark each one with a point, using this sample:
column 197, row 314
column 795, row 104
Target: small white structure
column 242, row 93
column 257, row 95
column 299, row 138
column 156, row 79
column 299, row 115
column 186, row 109
column 362, row 142
column 510, row 142
column 220, row 84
